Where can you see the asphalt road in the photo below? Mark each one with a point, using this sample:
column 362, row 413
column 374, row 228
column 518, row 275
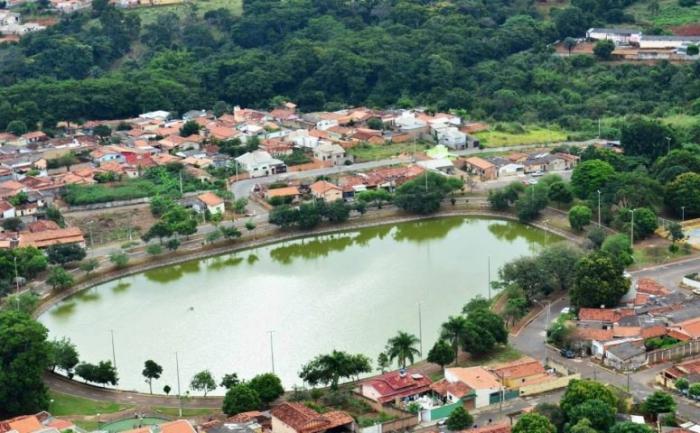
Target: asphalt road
column 670, row 275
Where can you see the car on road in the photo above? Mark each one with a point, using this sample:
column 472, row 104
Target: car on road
column 567, row 353
column 537, row 174
column 566, row 310
column 696, row 291
column 532, row 181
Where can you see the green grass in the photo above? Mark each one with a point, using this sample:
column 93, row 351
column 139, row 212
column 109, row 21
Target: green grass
column 86, row 425
column 533, row 135
column 655, row 255
column 504, row 354
column 681, row 120
column 64, row 405
column 174, row 412
column 149, row 14
column 670, row 14
column 370, row 152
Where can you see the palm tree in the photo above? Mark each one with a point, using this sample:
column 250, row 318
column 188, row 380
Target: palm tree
column 454, row 331
column 402, row 347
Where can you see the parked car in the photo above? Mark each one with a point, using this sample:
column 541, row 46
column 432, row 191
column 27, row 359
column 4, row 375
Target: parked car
column 567, row 353
column 532, row 181
column 566, row 310
column 696, row 291
column 537, row 174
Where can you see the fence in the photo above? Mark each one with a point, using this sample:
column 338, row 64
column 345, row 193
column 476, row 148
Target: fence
column 678, row 351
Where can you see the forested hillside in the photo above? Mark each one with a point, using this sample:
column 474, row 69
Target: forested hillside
column 492, row 58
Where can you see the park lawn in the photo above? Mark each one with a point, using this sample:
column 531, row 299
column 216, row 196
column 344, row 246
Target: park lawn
column 150, row 13
column 65, row 405
column 371, row 152
column 503, row 354
column 655, row 255
column 174, row 412
column 534, row 135
column 670, row 14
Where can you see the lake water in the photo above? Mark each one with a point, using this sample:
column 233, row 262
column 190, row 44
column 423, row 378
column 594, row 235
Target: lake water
column 347, row 291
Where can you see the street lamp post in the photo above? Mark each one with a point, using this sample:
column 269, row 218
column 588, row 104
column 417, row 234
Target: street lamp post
column 272, row 350
column 668, row 144
column 114, row 354
column 598, row 208
column 489, row 277
column 179, row 398
column 16, row 277
column 420, row 329
column 632, row 230
column 682, row 214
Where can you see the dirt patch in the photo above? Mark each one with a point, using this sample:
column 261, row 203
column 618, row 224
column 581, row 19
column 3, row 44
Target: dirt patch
column 687, row 30
column 105, row 226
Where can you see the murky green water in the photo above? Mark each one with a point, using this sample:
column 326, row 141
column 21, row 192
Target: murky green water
column 347, row 291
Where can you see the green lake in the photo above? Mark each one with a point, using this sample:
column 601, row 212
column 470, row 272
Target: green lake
column 347, row 291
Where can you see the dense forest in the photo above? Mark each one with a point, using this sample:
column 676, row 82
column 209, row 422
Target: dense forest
column 492, row 58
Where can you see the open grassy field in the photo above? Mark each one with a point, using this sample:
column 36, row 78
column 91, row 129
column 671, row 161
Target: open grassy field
column 150, row 13
column 64, row 405
column 670, row 14
column 533, row 135
column 370, row 152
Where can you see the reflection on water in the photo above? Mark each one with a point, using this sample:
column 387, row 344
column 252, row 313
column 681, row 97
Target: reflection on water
column 169, row 274
column 422, row 231
column 222, row 262
column 121, row 287
column 88, row 295
column 252, row 258
column 63, row 309
column 309, row 249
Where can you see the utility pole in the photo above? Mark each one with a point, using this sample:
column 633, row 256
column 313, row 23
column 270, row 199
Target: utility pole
column 489, row 276
column 544, row 355
column 632, row 230
column 599, row 128
column 420, row 329
column 598, row 208
column 682, row 214
column 16, row 277
column 668, row 144
column 114, row 356
column 272, row 351
column 180, row 182
column 179, row 398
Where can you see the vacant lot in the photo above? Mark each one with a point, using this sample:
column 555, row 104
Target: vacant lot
column 371, row 152
column 150, row 13
column 534, row 135
column 670, row 14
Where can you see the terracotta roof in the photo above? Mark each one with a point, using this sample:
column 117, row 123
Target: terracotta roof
column 458, row 389
column 394, row 385
column 34, row 134
column 502, row 427
column 594, row 334
column 210, row 199
column 479, row 163
column 641, row 299
column 178, row 426
column 627, row 331
column 70, row 235
column 599, row 315
column 244, row 417
column 691, row 328
column 522, row 367
column 61, row 424
column 475, row 377
column 5, row 206
column 690, row 367
column 651, row 287
column 42, row 226
column 25, row 424
column 305, row 420
column 653, row 331
column 322, row 186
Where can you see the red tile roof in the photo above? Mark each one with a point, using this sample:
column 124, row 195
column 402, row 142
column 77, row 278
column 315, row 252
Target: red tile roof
column 394, row 385
column 594, row 334
column 502, row 427
column 70, row 235
column 305, row 420
column 599, row 315
column 651, row 287
column 458, row 389
column 210, row 199
column 522, row 367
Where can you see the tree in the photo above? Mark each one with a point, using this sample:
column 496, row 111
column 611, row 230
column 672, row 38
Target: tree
column 590, row 176
column 250, row 225
column 268, row 386
column 630, row 427
column 328, row 369
column 220, row 108
column 646, row 137
column 584, row 425
column 24, row 356
column 102, row 131
column 229, row 380
column 570, row 43
column 553, row 413
column 383, row 362
column 338, row 211
column 533, row 423
column 203, row 382
column 619, row 248
column 167, row 389
column 681, row 384
column 159, row 230
column 106, row 374
column 17, row 127
column 376, row 196
column 659, row 402
column 477, row 303
column 531, row 202
column 154, row 249
column 119, row 259
column 12, row 224
column 240, row 398
column 423, row 194
column 65, row 253
column 597, row 236
column 598, row 280
column 675, row 232
column 172, row 244
column 64, row 355
column 89, row 265
column 604, row 49
column 453, row 331
column 441, row 353
column 489, row 323
column 53, row 214
column 557, row 263
column 190, row 127
column 151, row 370
column 59, row 278
column 694, row 390
column 459, row 419
column 645, row 222
column 684, row 191
column 581, row 390
column 560, row 192
column 599, row 413
column 579, row 217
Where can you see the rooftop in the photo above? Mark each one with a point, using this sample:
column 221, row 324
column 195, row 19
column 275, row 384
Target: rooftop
column 474, row 377
column 305, row 420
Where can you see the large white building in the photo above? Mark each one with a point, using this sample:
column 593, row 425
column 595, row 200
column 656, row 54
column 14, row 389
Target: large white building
column 650, row 42
column 618, row 36
column 260, row 163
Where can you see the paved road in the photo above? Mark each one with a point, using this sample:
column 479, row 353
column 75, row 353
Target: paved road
column 640, row 384
column 670, row 275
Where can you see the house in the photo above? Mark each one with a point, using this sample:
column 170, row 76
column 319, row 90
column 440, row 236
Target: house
column 41, row 422
column 34, row 137
column 6, row 210
column 409, row 124
column 289, row 191
column 626, row 356
column 212, row 202
column 513, row 374
column 330, row 152
column 159, row 115
column 442, row 165
column 395, row 385
column 326, row 191
column 570, row 160
column 106, row 154
column 686, row 330
column 655, row 42
column 480, row 167
column 688, row 369
column 485, row 384
column 619, row 36
column 599, row 316
column 499, row 427
column 297, row 418
column 260, row 163
column 69, row 235
column 451, row 137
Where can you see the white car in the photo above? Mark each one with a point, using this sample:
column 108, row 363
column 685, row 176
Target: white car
column 696, row 291
column 532, row 181
column 566, row 310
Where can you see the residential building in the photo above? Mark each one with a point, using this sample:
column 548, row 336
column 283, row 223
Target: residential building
column 42, row 422
column 513, row 374
column 480, row 167
column 326, row 191
column 297, row 418
column 288, row 191
column 620, row 36
column 394, row 386
column 451, row 137
column 487, row 388
column 212, row 202
column 499, row 427
column 260, row 163
column 6, row 210
column 442, row 165
column 68, row 235
column 650, row 42
column 626, row 356
column 330, row 152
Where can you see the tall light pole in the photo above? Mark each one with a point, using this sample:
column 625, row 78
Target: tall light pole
column 668, row 144
column 272, row 350
column 632, row 230
column 420, row 329
column 598, row 208
column 114, row 355
column 489, row 277
column 16, row 277
column 682, row 219
column 545, row 221
column 179, row 398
